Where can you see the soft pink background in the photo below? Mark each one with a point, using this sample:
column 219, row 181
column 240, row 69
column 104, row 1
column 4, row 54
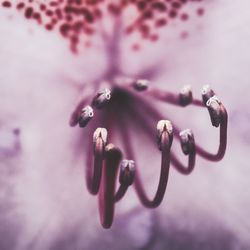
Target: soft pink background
column 43, row 200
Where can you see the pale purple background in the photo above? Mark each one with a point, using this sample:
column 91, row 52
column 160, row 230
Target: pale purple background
column 44, row 203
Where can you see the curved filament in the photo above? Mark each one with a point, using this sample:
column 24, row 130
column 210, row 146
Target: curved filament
column 93, row 175
column 107, row 189
column 121, row 192
column 180, row 167
column 222, row 141
column 165, row 164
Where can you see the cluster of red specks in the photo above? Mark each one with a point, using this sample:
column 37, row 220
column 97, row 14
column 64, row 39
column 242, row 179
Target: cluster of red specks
column 80, row 18
column 155, row 14
column 70, row 17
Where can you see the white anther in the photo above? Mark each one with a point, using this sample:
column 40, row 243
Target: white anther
column 86, row 115
column 141, row 84
column 100, row 133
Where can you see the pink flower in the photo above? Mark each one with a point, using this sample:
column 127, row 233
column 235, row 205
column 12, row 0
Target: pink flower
column 130, row 58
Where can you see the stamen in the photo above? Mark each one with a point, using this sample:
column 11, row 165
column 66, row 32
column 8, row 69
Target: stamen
column 219, row 117
column 188, row 148
column 102, row 98
column 86, row 115
column 74, row 118
column 126, row 178
column 185, row 96
column 164, row 132
column 187, row 141
column 107, row 191
column 213, row 105
column 94, row 175
column 85, row 101
column 141, row 85
column 206, row 93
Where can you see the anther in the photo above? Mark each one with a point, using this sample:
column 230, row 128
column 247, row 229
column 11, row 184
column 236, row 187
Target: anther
column 187, row 141
column 141, row 84
column 206, row 93
column 86, row 115
column 126, row 178
column 100, row 133
column 102, row 98
column 188, row 148
column 127, row 172
column 214, row 108
column 164, row 126
column 185, row 96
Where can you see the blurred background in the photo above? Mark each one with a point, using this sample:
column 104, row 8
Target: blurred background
column 44, row 203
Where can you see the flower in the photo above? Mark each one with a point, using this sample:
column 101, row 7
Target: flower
column 61, row 97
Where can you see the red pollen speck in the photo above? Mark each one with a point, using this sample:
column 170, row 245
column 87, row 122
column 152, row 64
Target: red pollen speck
column 64, row 29
column 141, row 5
column 77, row 26
column 136, row 47
column 159, row 6
column 78, row 2
column 49, row 26
column 184, row 17
column 28, row 12
column 88, row 31
column 129, row 30
column 88, row 15
column 54, row 3
column 20, row 6
column 42, row 7
column 97, row 13
column 87, row 44
column 161, row 22
column 58, row 13
column 148, row 14
column 6, row 4
column 144, row 29
column 172, row 14
column 114, row 9
column 154, row 37
column 68, row 18
column 36, row 16
column 176, row 5
column 49, row 13
column 200, row 12
column 184, row 35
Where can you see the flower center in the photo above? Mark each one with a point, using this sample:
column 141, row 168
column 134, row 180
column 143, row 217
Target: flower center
column 127, row 98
